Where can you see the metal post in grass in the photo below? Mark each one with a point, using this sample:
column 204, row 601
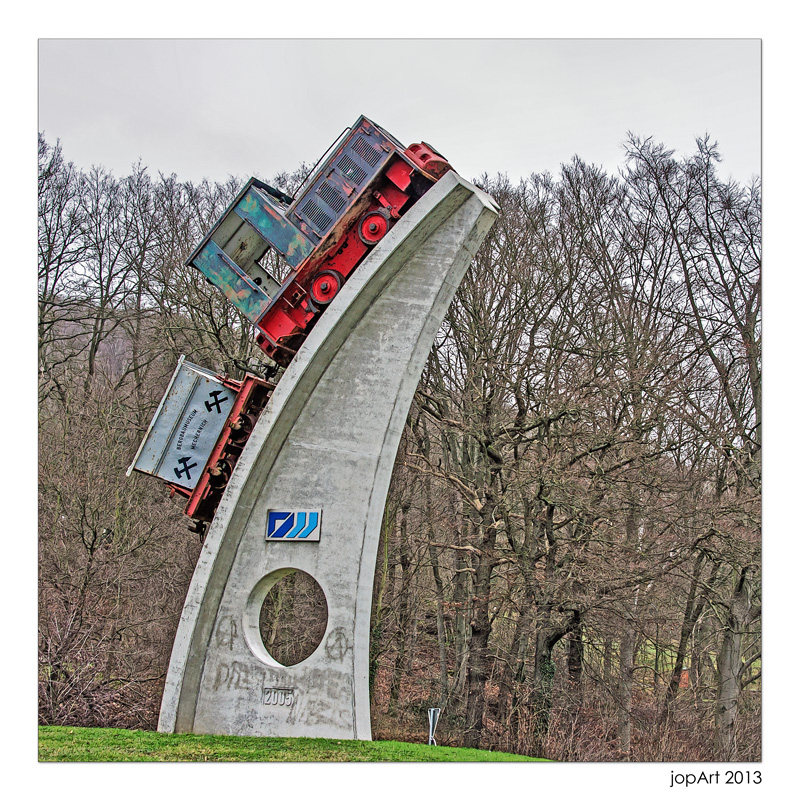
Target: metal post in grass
column 433, row 721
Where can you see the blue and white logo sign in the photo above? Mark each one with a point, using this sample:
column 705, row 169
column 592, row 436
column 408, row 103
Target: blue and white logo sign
column 294, row 525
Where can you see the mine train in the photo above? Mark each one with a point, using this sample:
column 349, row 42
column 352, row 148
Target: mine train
column 351, row 199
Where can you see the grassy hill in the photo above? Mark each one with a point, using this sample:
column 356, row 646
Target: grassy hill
column 114, row 744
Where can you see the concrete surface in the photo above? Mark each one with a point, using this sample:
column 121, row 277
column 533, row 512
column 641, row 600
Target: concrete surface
column 327, row 441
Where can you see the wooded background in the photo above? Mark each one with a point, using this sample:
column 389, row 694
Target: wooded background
column 570, row 558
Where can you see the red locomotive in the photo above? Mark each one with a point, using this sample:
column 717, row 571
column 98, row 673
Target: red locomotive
column 348, row 205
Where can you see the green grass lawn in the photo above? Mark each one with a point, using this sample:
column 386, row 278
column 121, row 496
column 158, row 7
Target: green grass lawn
column 115, row 744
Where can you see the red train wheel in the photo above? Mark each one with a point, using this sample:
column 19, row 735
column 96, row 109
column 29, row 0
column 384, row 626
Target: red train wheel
column 325, row 286
column 373, row 227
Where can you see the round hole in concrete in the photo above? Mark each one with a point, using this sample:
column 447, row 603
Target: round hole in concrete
column 292, row 616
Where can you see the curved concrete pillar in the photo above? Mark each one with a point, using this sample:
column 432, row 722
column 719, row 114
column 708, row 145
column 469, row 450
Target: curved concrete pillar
column 327, row 441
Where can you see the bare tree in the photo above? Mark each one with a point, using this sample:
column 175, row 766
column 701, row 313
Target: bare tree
column 714, row 230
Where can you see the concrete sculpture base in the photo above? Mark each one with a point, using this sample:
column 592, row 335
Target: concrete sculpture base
column 326, row 443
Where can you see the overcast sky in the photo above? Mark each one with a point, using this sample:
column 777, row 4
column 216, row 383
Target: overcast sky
column 214, row 108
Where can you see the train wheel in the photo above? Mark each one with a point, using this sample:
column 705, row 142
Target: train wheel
column 325, row 286
column 220, row 473
column 242, row 428
column 373, row 227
